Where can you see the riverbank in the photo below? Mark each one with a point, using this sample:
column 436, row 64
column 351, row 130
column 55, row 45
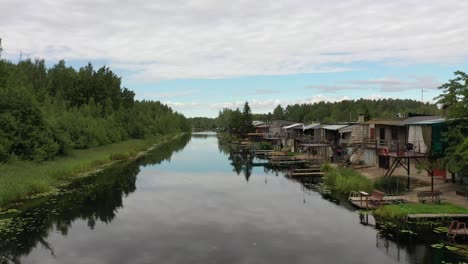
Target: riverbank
column 345, row 180
column 21, row 179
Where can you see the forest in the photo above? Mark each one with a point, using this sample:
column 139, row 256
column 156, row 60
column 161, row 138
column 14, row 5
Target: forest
column 321, row 112
column 348, row 110
column 47, row 112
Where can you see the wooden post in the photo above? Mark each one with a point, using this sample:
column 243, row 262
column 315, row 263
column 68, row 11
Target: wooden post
column 408, row 165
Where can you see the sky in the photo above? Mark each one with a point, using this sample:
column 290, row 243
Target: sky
column 199, row 56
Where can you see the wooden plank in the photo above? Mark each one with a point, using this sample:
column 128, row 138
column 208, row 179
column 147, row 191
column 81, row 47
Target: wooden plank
column 307, row 170
column 308, row 174
column 313, row 166
column 363, row 204
column 458, row 232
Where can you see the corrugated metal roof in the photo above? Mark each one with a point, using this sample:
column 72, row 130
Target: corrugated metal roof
column 347, row 129
column 416, row 119
column 388, row 122
column 258, row 123
column 294, row 125
column 430, row 122
column 311, row 126
column 334, row 127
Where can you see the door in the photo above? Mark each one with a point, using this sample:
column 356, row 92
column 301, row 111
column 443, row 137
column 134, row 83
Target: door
column 382, row 136
column 372, row 133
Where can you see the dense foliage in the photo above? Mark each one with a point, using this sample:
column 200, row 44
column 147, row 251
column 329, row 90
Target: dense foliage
column 202, row 124
column 235, row 121
column 348, row 110
column 454, row 100
column 322, row 112
column 47, row 112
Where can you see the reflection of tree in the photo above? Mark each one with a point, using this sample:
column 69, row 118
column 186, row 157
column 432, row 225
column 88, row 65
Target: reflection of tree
column 242, row 162
column 95, row 198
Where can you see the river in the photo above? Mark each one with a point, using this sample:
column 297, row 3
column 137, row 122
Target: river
column 187, row 202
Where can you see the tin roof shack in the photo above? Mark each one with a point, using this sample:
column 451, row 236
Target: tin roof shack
column 416, row 147
column 262, row 129
column 331, row 134
column 420, row 133
column 425, row 137
column 346, row 135
column 387, row 132
column 312, row 133
column 276, row 128
column 294, row 131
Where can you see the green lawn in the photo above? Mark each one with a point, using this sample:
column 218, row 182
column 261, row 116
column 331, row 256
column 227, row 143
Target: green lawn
column 402, row 210
column 19, row 179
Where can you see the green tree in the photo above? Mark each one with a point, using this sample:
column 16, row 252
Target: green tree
column 236, row 122
column 278, row 113
column 247, row 125
column 454, row 99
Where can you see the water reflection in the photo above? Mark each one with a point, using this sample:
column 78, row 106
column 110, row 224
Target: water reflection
column 94, row 199
column 192, row 210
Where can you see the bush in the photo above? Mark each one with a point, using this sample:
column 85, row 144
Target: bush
column 391, row 185
column 119, row 156
column 266, row 146
column 327, row 167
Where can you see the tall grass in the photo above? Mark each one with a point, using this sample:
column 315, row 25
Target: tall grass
column 400, row 211
column 19, row 179
column 345, row 180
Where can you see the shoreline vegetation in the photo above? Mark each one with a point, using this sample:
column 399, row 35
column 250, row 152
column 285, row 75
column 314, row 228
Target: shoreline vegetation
column 22, row 179
column 345, row 180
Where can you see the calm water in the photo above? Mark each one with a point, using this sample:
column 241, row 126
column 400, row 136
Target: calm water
column 187, row 203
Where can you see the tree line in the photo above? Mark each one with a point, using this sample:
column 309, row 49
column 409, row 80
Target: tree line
column 348, row 110
column 321, row 112
column 46, row 112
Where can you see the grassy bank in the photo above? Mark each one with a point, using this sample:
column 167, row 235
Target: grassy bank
column 400, row 211
column 19, row 179
column 345, row 180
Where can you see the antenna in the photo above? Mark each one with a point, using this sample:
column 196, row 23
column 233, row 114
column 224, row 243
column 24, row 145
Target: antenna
column 21, row 56
column 422, row 95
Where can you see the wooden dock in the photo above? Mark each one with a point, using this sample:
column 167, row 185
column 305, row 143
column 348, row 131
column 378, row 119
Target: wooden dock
column 361, row 202
column 286, row 163
column 457, row 228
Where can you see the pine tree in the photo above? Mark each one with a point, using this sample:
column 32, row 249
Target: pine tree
column 247, row 125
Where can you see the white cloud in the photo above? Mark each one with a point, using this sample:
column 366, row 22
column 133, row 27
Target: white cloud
column 165, row 95
column 386, row 84
column 215, row 39
column 390, row 84
column 258, row 106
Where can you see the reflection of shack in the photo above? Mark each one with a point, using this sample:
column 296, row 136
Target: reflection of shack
column 318, row 153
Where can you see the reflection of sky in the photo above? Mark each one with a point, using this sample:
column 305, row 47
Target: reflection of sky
column 195, row 209
column 198, row 156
